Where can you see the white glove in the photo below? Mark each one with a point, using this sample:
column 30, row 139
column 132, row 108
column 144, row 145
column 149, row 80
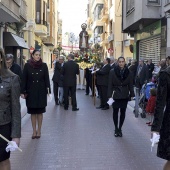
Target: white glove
column 110, row 101
column 12, row 146
column 154, row 140
column 49, row 97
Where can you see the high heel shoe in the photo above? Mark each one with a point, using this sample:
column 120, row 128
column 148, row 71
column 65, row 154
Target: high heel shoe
column 120, row 133
column 34, row 136
column 38, row 136
column 116, row 133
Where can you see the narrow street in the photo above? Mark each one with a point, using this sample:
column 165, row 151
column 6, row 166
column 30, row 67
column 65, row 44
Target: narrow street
column 84, row 140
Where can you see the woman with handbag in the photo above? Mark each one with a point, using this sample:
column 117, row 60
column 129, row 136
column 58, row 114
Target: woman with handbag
column 35, row 87
column 121, row 86
column 10, row 115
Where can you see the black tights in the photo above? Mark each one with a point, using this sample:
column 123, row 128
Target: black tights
column 122, row 117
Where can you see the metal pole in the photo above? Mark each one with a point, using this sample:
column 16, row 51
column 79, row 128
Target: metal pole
column 137, row 103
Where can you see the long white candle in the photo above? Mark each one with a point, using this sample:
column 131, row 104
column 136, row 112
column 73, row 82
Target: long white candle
column 9, row 141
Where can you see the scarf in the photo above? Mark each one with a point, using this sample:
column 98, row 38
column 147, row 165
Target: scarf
column 121, row 74
column 35, row 64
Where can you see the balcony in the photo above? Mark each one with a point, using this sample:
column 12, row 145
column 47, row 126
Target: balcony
column 41, row 28
column 94, row 3
column 9, row 11
column 103, row 39
column 111, row 37
column 96, row 24
column 23, row 10
column 104, row 15
column 49, row 41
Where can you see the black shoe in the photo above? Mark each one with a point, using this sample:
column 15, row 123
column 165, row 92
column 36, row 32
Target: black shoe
column 75, row 109
column 105, row 108
column 100, row 107
column 87, row 94
column 120, row 133
column 65, row 108
column 116, row 133
column 56, row 103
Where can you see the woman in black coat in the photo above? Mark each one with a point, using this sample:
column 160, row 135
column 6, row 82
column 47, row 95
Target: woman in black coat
column 35, row 87
column 161, row 123
column 120, row 88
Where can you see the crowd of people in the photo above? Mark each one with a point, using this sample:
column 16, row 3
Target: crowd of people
column 112, row 80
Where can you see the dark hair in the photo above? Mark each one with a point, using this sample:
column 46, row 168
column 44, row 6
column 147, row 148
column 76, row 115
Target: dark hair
column 35, row 52
column 108, row 60
column 153, row 92
column 121, row 57
column 168, row 57
column 4, row 70
column 71, row 56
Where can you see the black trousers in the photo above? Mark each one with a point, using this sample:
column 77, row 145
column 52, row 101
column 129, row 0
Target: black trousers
column 87, row 85
column 55, row 90
column 103, row 96
column 72, row 91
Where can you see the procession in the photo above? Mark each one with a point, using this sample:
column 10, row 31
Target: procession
column 87, row 93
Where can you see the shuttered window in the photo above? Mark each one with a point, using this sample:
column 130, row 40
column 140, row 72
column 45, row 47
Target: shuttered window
column 150, row 49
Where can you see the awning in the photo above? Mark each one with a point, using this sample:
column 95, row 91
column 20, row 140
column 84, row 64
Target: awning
column 12, row 40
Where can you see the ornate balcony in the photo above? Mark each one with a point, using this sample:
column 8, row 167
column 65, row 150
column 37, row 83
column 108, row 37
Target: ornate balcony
column 41, row 28
column 49, row 41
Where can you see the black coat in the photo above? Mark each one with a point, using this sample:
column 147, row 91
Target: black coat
column 144, row 74
column 57, row 72
column 162, row 114
column 15, row 68
column 123, row 88
column 113, row 66
column 34, row 84
column 69, row 71
column 133, row 69
column 150, row 69
column 103, row 75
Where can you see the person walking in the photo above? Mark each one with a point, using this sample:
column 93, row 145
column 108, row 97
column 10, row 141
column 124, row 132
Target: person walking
column 162, row 116
column 57, row 78
column 69, row 71
column 133, row 69
column 142, row 74
column 102, row 82
column 10, row 126
column 120, row 88
column 35, row 87
column 14, row 67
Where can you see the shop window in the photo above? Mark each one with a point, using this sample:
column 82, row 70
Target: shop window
column 153, row 2
column 130, row 6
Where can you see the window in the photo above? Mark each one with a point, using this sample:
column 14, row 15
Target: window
column 130, row 6
column 38, row 11
column 153, row 2
column 98, row 30
column 97, row 11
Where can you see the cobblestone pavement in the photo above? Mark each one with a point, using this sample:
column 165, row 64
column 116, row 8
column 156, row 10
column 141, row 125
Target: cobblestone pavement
column 84, row 140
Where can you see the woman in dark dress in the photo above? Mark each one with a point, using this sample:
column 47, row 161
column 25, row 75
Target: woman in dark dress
column 35, row 87
column 120, row 88
column 161, row 123
column 10, row 115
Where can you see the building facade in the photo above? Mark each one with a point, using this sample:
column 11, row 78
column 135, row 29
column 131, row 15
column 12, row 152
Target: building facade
column 104, row 26
column 148, row 21
column 42, row 27
column 13, row 18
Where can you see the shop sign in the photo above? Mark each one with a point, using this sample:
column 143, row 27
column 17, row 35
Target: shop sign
column 149, row 31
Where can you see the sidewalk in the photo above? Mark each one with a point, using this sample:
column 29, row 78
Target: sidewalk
column 84, row 140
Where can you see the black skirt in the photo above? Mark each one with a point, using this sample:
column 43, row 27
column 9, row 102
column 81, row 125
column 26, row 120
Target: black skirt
column 5, row 130
column 120, row 103
column 36, row 110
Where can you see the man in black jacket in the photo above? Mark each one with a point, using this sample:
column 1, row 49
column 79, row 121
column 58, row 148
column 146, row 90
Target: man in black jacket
column 150, row 66
column 56, row 77
column 14, row 67
column 112, row 63
column 102, row 82
column 142, row 74
column 69, row 71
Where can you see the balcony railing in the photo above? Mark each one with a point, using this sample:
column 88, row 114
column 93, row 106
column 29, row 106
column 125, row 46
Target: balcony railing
column 41, row 22
column 23, row 9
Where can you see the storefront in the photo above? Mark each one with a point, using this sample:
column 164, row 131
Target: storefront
column 148, row 42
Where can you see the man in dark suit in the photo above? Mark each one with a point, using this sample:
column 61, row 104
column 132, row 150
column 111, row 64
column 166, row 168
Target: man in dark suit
column 151, row 67
column 102, row 82
column 69, row 71
column 56, row 77
column 14, row 67
column 112, row 63
column 142, row 74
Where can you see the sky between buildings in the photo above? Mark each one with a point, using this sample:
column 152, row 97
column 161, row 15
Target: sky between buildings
column 73, row 13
